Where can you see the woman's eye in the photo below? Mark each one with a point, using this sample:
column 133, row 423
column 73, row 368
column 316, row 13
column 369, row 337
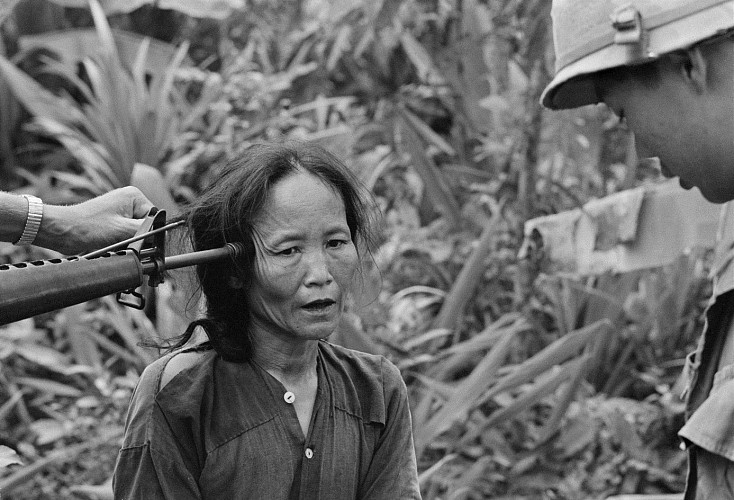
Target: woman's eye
column 336, row 243
column 288, row 251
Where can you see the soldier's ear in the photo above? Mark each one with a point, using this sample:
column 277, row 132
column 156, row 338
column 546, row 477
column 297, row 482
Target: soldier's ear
column 695, row 68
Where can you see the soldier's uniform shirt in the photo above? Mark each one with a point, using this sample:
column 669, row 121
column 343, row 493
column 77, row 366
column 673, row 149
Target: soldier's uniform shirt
column 220, row 429
column 709, row 429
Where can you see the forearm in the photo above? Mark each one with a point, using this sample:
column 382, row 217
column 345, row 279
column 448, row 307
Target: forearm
column 72, row 229
column 13, row 213
column 58, row 227
column 57, row 223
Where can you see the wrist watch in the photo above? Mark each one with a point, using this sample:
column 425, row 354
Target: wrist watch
column 33, row 220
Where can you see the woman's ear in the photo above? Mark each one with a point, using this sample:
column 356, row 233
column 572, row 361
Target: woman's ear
column 235, row 282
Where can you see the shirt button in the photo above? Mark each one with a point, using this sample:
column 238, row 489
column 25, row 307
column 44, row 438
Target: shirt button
column 289, row 397
column 309, row 453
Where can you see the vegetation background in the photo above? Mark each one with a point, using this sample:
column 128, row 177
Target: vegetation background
column 525, row 381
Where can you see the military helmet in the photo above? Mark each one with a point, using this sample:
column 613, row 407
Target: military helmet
column 594, row 35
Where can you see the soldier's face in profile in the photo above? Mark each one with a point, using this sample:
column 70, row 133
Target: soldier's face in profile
column 686, row 125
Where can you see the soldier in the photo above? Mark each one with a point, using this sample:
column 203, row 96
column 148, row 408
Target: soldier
column 666, row 67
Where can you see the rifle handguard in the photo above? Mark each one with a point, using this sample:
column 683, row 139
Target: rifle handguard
column 31, row 288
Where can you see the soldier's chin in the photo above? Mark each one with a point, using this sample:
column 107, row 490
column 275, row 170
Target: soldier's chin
column 684, row 184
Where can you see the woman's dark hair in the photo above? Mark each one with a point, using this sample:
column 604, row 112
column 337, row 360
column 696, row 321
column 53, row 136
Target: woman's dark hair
column 225, row 213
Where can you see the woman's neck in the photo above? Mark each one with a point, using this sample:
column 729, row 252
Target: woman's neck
column 289, row 360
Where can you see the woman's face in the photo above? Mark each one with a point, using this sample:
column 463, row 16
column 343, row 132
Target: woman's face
column 305, row 260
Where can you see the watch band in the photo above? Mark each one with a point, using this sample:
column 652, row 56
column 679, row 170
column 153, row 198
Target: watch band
column 33, row 221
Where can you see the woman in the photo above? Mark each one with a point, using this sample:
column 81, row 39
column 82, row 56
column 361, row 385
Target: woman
column 268, row 409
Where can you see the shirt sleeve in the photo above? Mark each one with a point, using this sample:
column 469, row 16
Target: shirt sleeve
column 393, row 467
column 153, row 462
column 141, row 473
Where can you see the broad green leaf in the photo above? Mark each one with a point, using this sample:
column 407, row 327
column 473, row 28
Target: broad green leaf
column 99, row 492
column 463, row 486
column 84, row 349
column 150, row 181
column 77, row 182
column 19, row 330
column 211, row 94
column 49, row 386
column 216, row 9
column 339, row 47
column 623, row 431
column 556, row 353
column 487, row 337
column 51, row 66
column 569, row 393
column 124, row 320
column 579, row 432
column 161, row 93
column 530, row 396
column 116, row 349
column 8, row 456
column 464, row 354
column 471, row 274
column 426, row 475
column 442, row 389
column 421, row 59
column 428, row 134
column 36, row 99
column 6, row 8
column 463, row 63
column 437, row 189
column 138, row 68
column 43, row 356
column 91, row 156
column 466, row 394
column 130, row 121
column 48, row 430
column 430, row 335
column 107, row 41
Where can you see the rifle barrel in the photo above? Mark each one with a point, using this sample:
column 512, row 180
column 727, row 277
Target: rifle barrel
column 231, row 250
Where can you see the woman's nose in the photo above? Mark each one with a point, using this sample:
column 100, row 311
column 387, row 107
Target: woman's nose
column 317, row 270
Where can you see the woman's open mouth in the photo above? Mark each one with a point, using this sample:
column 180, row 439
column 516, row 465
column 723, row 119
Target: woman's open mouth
column 319, row 306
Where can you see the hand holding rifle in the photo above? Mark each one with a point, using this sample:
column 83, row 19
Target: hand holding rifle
column 72, row 229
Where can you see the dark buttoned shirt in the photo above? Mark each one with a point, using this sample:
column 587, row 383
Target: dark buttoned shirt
column 220, row 430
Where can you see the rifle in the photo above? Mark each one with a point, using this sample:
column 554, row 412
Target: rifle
column 31, row 288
